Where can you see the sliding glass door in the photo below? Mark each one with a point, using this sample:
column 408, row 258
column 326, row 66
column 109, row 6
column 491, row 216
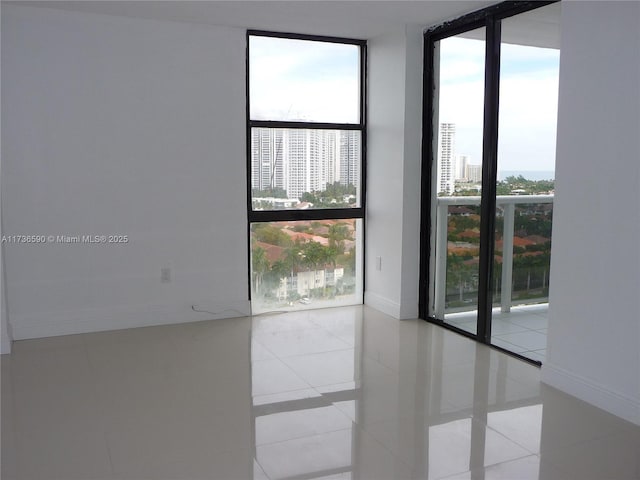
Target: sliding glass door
column 460, row 88
column 491, row 82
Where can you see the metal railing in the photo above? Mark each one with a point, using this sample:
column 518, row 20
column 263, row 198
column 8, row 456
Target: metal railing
column 508, row 204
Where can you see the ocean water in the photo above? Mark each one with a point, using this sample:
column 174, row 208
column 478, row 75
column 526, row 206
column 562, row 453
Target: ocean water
column 528, row 174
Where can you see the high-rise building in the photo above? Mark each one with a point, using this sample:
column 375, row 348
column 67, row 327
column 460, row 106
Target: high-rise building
column 331, row 163
column 446, row 157
column 474, row 173
column 268, row 169
column 349, row 173
column 298, row 152
column 461, row 167
column 303, row 160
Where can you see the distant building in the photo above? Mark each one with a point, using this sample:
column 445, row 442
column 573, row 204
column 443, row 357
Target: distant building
column 349, row 168
column 446, row 158
column 273, row 203
column 303, row 281
column 461, row 167
column 267, row 159
column 474, row 173
column 302, row 168
column 303, row 160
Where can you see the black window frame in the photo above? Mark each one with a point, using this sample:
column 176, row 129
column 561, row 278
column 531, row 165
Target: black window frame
column 264, row 216
column 490, row 18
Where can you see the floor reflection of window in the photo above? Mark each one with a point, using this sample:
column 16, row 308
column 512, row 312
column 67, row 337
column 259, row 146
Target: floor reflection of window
column 304, row 438
column 421, row 397
column 305, row 394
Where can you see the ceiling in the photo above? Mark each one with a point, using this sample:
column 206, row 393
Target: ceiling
column 537, row 28
column 353, row 19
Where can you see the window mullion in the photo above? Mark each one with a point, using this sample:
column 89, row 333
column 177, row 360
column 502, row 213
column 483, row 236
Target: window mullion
column 489, row 173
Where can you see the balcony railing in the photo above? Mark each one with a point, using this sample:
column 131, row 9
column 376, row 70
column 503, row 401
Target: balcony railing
column 507, row 204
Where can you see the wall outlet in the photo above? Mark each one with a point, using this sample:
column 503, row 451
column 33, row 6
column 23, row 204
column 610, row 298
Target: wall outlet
column 379, row 263
column 165, row 275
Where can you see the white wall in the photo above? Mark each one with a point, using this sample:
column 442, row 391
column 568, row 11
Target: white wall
column 393, row 172
column 410, row 271
column 122, row 126
column 594, row 328
column 5, row 334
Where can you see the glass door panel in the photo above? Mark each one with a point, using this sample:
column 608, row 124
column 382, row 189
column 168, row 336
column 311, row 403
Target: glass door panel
column 529, row 67
column 460, row 92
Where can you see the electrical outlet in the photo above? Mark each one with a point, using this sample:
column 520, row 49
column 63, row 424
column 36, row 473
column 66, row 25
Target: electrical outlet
column 165, row 275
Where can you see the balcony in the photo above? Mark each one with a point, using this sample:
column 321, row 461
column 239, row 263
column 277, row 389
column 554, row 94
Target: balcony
column 521, row 268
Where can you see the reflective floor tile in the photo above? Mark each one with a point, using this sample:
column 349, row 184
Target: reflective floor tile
column 613, row 456
column 522, row 425
column 527, row 468
column 303, row 422
column 452, row 446
column 334, row 394
column 300, row 342
column 318, row 455
column 528, row 340
column 273, row 376
column 326, row 368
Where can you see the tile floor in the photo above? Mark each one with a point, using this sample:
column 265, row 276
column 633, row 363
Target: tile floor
column 523, row 330
column 346, row 393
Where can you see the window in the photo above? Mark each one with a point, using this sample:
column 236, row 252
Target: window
column 488, row 166
column 306, row 143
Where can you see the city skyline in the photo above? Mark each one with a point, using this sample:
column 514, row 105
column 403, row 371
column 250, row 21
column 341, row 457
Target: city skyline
column 453, row 166
column 303, row 160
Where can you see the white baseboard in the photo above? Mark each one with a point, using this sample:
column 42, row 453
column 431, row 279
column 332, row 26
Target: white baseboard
column 613, row 402
column 406, row 310
column 383, row 304
column 103, row 319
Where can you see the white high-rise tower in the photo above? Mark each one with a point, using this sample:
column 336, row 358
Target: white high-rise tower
column 446, row 158
column 349, row 157
column 268, row 169
column 303, row 160
column 461, row 167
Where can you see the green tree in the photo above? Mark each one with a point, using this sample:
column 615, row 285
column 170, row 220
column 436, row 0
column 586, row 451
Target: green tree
column 293, row 258
column 338, row 233
column 260, row 265
column 310, row 198
column 458, row 274
column 461, row 223
column 314, row 254
column 333, row 196
column 263, row 232
column 276, row 192
column 276, row 273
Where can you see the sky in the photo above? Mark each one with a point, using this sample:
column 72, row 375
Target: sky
column 527, row 106
column 317, row 81
column 303, row 80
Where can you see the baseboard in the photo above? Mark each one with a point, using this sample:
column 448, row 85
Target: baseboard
column 613, row 402
column 383, row 304
column 103, row 319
